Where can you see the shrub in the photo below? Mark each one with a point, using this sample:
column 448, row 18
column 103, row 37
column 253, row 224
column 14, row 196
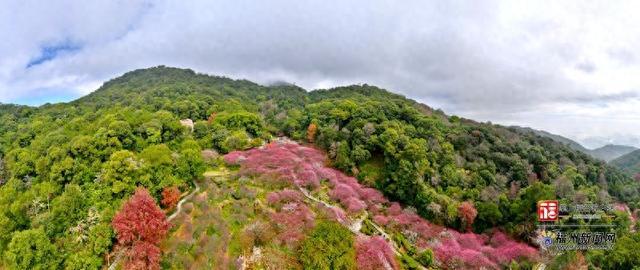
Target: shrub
column 468, row 214
column 256, row 234
column 381, row 220
column 234, row 158
column 374, row 253
column 238, row 140
column 273, row 198
column 284, row 196
column 311, row 132
column 372, row 196
column 170, row 197
column 409, row 263
column 394, row 209
column 274, row 258
column 425, row 257
column 292, row 221
column 328, row 246
column 342, row 192
column 337, row 214
column 354, row 205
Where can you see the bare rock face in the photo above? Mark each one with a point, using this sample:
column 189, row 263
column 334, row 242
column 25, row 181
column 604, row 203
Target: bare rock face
column 187, row 123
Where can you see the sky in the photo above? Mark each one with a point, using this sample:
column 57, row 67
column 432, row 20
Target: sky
column 567, row 67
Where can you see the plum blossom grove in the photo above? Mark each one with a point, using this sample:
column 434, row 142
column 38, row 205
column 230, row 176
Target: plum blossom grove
column 374, row 253
column 288, row 164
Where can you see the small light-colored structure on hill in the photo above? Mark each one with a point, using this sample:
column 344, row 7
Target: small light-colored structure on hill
column 187, row 123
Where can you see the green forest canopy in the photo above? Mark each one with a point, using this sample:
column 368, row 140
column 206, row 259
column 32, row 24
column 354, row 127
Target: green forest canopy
column 70, row 165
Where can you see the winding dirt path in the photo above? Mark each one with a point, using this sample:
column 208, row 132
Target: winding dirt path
column 184, row 199
column 387, row 237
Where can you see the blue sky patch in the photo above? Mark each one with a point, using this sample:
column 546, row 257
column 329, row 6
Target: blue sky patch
column 46, row 95
column 50, row 52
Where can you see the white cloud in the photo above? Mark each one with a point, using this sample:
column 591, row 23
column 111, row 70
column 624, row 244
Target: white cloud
column 567, row 67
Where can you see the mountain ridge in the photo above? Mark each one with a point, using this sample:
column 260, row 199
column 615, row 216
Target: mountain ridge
column 561, row 139
column 628, row 163
column 606, row 153
column 610, row 152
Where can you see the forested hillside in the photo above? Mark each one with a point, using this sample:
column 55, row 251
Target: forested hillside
column 67, row 168
column 610, row 152
column 607, row 153
column 566, row 141
column 629, row 163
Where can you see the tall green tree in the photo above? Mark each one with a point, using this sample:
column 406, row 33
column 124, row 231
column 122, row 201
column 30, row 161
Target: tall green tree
column 31, row 249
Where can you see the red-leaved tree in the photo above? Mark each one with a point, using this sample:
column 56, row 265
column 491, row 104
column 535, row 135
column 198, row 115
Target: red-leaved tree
column 311, row 132
column 170, row 197
column 140, row 226
column 468, row 214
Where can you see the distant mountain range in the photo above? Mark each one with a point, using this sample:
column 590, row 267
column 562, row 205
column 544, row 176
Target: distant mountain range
column 566, row 141
column 610, row 152
column 606, row 153
column 629, row 163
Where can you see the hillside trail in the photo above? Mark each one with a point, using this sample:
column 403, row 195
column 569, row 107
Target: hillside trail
column 355, row 226
column 183, row 200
